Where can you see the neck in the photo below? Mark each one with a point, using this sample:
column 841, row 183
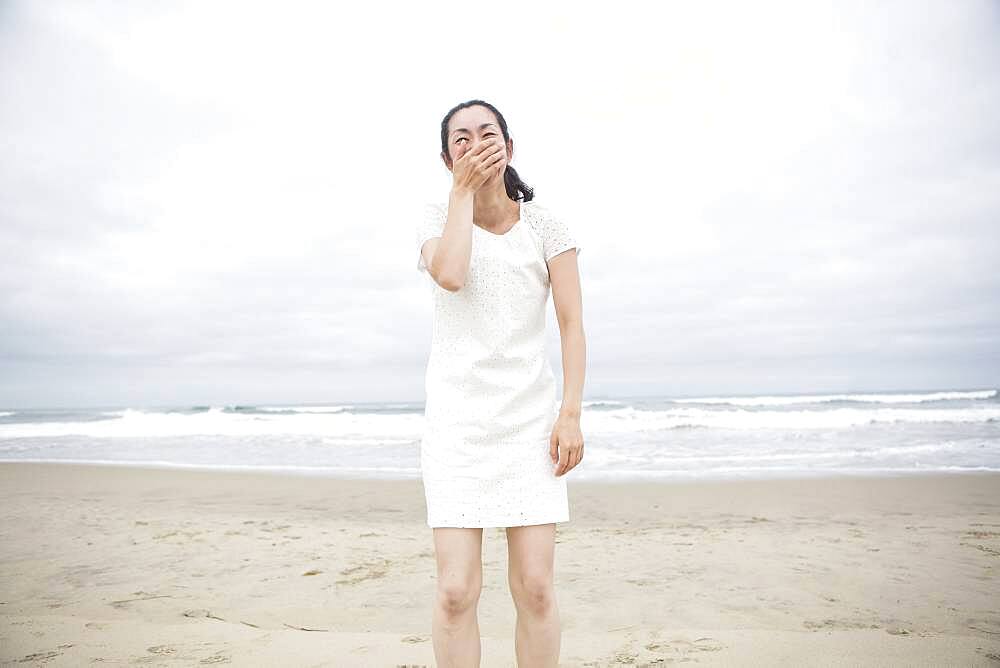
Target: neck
column 492, row 206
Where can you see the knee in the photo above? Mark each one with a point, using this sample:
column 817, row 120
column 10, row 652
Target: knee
column 455, row 598
column 535, row 593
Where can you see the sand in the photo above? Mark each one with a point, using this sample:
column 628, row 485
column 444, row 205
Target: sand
column 120, row 566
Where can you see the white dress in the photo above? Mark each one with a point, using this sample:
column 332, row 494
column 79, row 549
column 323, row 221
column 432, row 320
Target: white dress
column 490, row 391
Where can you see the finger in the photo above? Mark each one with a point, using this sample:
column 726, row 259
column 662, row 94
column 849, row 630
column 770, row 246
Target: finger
column 563, row 461
column 486, row 147
column 491, row 148
column 553, row 444
column 478, row 152
column 490, row 143
column 573, row 459
column 490, row 162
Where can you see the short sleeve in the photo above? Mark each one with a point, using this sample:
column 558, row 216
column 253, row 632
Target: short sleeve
column 555, row 232
column 430, row 225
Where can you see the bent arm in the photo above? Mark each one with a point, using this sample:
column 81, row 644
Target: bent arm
column 447, row 257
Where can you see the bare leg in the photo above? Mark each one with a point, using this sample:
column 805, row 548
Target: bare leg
column 455, row 626
column 531, row 552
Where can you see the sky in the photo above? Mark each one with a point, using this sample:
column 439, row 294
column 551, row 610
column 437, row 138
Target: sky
column 215, row 203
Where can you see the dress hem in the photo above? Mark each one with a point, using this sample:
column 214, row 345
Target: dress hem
column 495, row 524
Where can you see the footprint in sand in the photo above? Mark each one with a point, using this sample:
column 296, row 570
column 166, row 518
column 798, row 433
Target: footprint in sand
column 685, row 646
column 370, row 570
column 161, row 649
column 838, row 624
column 625, row 657
column 982, row 534
column 983, row 548
column 39, row 656
column 990, row 626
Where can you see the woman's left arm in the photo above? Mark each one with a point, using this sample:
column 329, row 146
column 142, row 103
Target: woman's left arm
column 566, row 442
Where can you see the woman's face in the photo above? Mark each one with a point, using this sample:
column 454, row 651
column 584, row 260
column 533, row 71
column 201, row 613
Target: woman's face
column 470, row 127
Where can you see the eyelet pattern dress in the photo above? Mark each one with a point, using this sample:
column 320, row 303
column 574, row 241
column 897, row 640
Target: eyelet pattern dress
column 490, row 391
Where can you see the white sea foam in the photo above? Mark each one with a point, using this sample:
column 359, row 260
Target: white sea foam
column 132, row 423
column 637, row 420
column 825, row 398
column 376, row 427
column 303, row 409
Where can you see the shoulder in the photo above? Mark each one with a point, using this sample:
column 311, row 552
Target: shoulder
column 551, row 229
column 540, row 216
column 535, row 214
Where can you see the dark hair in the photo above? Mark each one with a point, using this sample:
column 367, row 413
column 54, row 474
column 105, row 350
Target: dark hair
column 511, row 181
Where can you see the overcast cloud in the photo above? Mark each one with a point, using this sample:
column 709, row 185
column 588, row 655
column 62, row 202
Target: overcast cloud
column 210, row 203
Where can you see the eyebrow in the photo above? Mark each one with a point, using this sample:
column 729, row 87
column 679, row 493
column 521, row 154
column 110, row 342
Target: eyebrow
column 484, row 125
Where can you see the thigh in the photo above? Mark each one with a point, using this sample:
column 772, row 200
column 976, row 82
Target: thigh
column 531, row 552
column 459, row 554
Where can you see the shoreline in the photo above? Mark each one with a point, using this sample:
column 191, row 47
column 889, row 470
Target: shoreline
column 620, row 478
column 141, row 564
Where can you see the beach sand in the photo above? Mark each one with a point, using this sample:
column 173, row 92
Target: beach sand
column 120, row 566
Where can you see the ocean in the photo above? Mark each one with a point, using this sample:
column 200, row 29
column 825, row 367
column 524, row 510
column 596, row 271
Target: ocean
column 626, row 438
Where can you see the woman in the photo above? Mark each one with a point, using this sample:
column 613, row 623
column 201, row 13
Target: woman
column 495, row 451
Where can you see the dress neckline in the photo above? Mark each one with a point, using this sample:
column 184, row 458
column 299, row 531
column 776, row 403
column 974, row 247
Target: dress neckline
column 520, row 215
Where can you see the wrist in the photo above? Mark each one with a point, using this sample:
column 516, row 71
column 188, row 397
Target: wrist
column 570, row 412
